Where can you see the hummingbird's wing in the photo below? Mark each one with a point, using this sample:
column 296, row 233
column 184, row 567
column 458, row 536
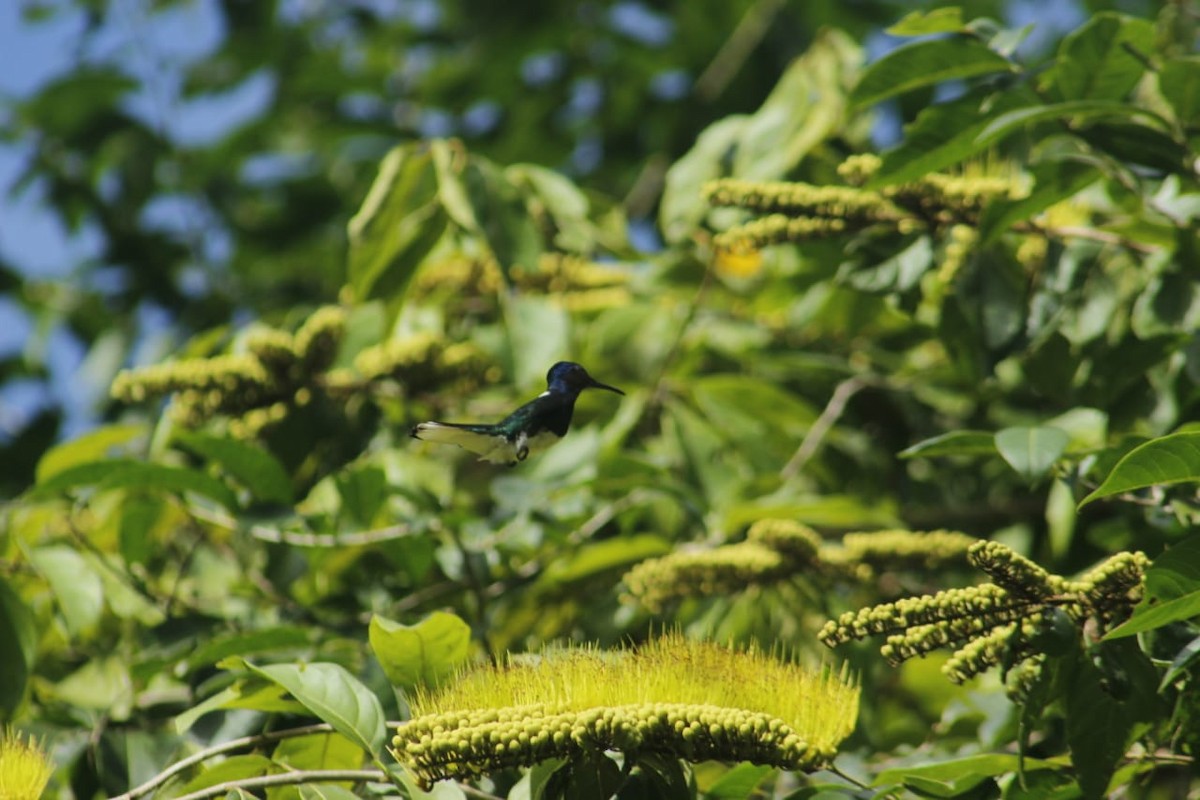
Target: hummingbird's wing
column 484, row 440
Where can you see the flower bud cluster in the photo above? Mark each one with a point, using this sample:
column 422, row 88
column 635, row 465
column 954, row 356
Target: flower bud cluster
column 902, row 549
column 465, row 744
column 777, row 228
column 998, row 623
column 703, row 573
column 276, row 371
column 950, row 199
column 803, row 200
column 420, row 363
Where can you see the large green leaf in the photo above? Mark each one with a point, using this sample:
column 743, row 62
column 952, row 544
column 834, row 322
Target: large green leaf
column 76, row 587
column 924, row 23
column 926, row 63
column 1032, row 451
column 422, row 654
column 130, row 474
column 18, row 642
column 956, row 776
column 248, row 463
column 598, row 558
column 1165, row 460
column 1103, row 60
column 92, row 446
column 1052, row 181
column 334, row 696
column 1175, row 572
column 1098, row 728
column 399, row 223
column 683, row 205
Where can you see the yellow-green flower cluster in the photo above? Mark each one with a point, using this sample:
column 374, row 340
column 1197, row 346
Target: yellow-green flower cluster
column 902, row 549
column 420, row 362
column 778, row 549
column 996, row 623
column 684, row 699
column 773, row 549
column 276, row 369
column 797, row 211
column 24, row 768
column 464, row 277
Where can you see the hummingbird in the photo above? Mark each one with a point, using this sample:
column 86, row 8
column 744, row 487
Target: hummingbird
column 533, row 427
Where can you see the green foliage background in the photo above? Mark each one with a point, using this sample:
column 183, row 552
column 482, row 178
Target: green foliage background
column 1023, row 370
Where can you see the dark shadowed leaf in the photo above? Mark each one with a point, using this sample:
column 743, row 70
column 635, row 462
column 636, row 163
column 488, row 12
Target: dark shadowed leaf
column 248, row 463
column 127, row 473
column 18, row 642
column 1095, row 61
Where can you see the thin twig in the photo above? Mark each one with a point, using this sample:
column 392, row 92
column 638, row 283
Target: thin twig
column 606, row 515
column 1092, row 234
column 219, row 749
column 303, row 539
column 728, row 61
column 289, row 779
column 820, row 427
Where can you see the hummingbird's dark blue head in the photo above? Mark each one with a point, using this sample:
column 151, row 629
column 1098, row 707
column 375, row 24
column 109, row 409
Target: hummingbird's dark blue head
column 569, row 377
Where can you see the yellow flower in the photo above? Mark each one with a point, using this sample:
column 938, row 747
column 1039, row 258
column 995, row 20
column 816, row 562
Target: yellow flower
column 738, row 262
column 24, row 768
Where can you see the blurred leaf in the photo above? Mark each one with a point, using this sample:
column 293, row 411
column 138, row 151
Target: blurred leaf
column 923, row 23
column 740, row 782
column 92, row 446
column 69, row 106
column 318, row 751
column 899, row 273
column 1031, row 451
column 139, row 515
column 212, row 650
column 504, row 223
column 102, row 684
column 805, row 107
column 562, row 200
column 1078, row 111
column 325, row 791
column 250, row 464
column 945, row 134
column 926, row 63
column 120, row 473
column 1179, row 82
column 598, row 558
column 423, row 654
column 76, row 587
column 18, row 641
column 1095, row 61
column 1061, row 517
column 334, row 696
column 399, row 223
column 1184, row 660
column 954, row 443
column 363, row 489
column 1165, row 460
column 956, row 776
column 683, row 205
column 1053, row 181
column 538, row 331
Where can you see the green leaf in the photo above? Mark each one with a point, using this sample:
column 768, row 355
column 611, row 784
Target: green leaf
column 1179, row 83
column 1184, row 660
column 539, row 334
column 318, row 751
column 18, row 642
column 1165, row 460
column 954, row 443
column 399, row 223
column 422, row 654
column 924, row 23
column 334, row 696
column 363, row 489
column 899, row 273
column 807, row 104
column 926, row 63
column 127, row 473
column 739, row 782
column 683, row 205
column 1053, row 181
column 598, row 558
column 1095, row 61
column 946, row 134
column 957, row 776
column 1031, row 451
column 92, row 446
column 75, row 585
column 505, row 225
column 249, row 464
column 565, row 202
column 1078, row 111
column 211, row 650
column 1145, row 618
column 1098, row 728
column 325, row 791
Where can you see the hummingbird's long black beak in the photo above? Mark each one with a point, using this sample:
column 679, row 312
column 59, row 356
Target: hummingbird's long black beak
column 595, row 384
